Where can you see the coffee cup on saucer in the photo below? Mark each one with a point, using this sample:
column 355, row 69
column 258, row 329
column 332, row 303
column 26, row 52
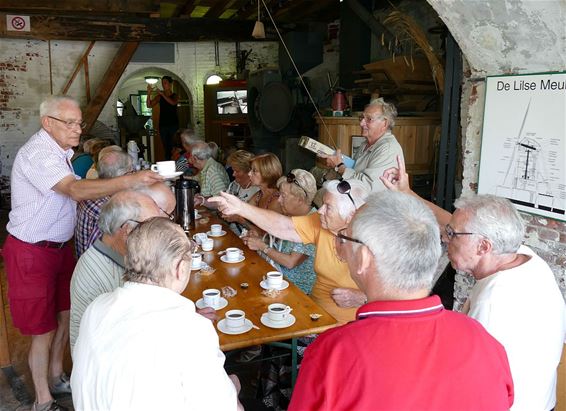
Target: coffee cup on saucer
column 196, row 261
column 207, row 244
column 211, row 297
column 164, row 168
column 274, row 279
column 278, row 312
column 235, row 318
column 216, row 229
column 233, row 254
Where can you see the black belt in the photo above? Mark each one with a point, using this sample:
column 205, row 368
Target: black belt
column 50, row 244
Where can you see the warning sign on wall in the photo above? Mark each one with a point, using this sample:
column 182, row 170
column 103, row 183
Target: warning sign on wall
column 17, row 23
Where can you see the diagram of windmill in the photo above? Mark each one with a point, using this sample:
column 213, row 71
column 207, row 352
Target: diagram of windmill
column 526, row 180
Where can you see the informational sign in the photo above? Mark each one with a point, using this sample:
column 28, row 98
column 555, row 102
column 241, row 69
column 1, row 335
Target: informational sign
column 523, row 151
column 17, row 23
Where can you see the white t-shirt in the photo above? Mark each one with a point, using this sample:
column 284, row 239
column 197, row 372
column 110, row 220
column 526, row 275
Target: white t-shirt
column 143, row 347
column 524, row 310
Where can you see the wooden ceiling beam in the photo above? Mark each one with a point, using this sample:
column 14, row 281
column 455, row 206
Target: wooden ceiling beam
column 215, row 11
column 129, row 29
column 72, row 6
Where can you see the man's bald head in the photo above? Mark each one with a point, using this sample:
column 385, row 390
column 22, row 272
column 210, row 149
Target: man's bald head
column 163, row 197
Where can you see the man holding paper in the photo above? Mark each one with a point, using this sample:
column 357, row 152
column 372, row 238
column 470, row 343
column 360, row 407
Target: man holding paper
column 378, row 153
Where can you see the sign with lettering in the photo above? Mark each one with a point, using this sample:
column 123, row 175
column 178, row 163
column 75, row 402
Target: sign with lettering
column 523, row 151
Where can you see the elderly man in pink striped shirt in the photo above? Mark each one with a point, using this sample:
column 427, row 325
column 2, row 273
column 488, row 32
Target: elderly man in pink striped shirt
column 38, row 256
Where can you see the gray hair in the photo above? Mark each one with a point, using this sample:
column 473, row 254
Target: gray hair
column 202, row 151
column 113, row 164
column 189, row 137
column 122, row 208
column 496, row 219
column 305, row 186
column 154, row 249
column 359, row 194
column 388, row 109
column 51, row 106
column 404, row 237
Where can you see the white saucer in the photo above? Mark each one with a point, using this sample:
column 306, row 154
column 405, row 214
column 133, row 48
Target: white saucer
column 234, row 331
column 223, row 303
column 225, row 260
column 265, row 320
column 216, row 235
column 171, row 176
column 202, row 264
column 283, row 286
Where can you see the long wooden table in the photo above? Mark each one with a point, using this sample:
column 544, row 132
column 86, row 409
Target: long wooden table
column 251, row 300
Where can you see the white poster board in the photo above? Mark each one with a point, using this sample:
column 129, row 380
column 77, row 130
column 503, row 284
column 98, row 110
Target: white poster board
column 523, row 151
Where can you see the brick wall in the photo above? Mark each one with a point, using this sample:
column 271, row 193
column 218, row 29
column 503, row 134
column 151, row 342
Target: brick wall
column 25, row 80
column 545, row 236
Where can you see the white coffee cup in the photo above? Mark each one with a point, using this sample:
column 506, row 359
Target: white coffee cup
column 211, row 297
column 278, row 312
column 216, row 229
column 233, row 254
column 207, row 244
column 274, row 279
column 164, row 168
column 199, row 238
column 235, row 318
column 196, row 261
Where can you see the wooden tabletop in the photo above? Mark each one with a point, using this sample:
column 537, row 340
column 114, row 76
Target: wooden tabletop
column 251, row 300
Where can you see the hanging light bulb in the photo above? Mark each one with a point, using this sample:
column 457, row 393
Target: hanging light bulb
column 259, row 29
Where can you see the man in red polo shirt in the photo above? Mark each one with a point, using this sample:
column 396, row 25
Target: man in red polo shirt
column 404, row 351
column 38, row 258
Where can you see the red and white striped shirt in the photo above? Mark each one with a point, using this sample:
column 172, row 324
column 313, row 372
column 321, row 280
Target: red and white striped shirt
column 38, row 212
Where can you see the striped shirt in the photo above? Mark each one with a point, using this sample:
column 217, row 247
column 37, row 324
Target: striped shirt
column 213, row 178
column 98, row 271
column 38, row 212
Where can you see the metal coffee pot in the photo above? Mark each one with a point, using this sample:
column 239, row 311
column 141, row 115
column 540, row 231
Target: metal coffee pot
column 185, row 191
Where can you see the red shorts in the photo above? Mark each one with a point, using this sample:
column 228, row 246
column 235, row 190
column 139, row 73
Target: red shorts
column 38, row 284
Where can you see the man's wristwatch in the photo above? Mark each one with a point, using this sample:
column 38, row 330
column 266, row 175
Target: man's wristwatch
column 265, row 250
column 338, row 167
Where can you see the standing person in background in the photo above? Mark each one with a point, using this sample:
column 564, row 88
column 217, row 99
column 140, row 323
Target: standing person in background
column 378, row 153
column 168, row 119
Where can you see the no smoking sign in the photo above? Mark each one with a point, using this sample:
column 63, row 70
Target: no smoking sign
column 17, row 23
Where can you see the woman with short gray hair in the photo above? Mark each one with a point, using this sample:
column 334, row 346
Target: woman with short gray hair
column 212, row 176
column 294, row 259
column 334, row 290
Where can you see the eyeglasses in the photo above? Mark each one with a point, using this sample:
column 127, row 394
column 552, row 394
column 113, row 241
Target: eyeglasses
column 344, row 187
column 342, row 238
column 370, row 119
column 70, row 124
column 291, row 179
column 171, row 216
column 450, row 233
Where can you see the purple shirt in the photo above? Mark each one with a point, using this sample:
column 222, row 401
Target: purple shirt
column 39, row 213
column 87, row 231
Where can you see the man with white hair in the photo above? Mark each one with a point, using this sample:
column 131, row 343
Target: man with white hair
column 188, row 138
column 45, row 190
column 380, row 150
column 404, row 351
column 100, row 268
column 212, row 176
column 515, row 297
column 333, row 289
column 111, row 164
column 143, row 346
